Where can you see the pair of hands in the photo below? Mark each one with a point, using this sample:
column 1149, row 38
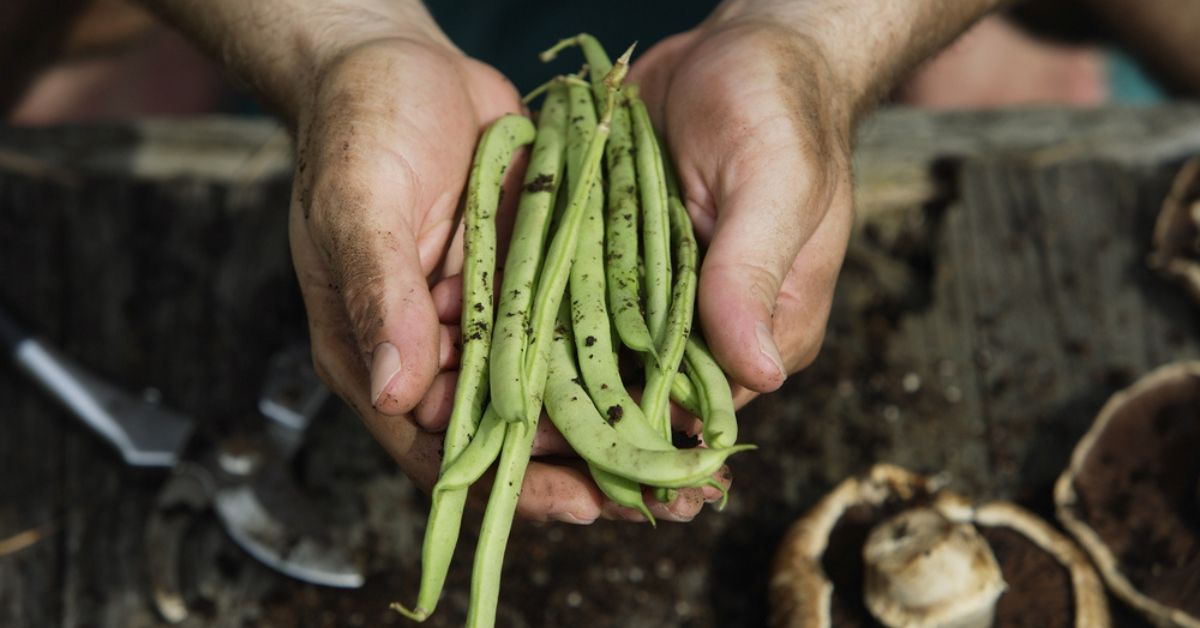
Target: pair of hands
column 757, row 128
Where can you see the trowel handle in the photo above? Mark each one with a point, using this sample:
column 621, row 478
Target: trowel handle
column 146, row 434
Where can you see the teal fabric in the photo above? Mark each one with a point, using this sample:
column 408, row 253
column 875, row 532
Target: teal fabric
column 1129, row 83
column 509, row 34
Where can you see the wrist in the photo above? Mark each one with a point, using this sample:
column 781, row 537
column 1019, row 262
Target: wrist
column 281, row 48
column 867, row 47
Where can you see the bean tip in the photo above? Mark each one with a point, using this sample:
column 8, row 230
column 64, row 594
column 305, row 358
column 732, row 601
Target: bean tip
column 551, row 53
column 416, row 614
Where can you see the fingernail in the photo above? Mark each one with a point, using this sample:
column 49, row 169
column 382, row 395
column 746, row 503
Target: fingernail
column 766, row 346
column 385, row 364
column 568, row 517
column 711, row 495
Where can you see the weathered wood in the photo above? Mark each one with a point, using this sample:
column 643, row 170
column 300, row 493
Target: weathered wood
column 993, row 296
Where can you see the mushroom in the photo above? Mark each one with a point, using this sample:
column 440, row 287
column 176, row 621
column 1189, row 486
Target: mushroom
column 924, row 569
column 1130, row 495
column 1176, row 239
column 893, row 547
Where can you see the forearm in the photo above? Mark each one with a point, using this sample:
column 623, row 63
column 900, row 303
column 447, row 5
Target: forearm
column 278, row 47
column 1164, row 33
column 869, row 46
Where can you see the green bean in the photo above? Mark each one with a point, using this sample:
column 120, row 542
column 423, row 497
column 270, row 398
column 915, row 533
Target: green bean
column 449, row 497
column 684, row 394
column 621, row 244
column 495, row 152
column 542, row 179
column 622, row 491
column 599, row 65
column 591, row 323
column 497, row 523
column 590, row 435
column 518, row 440
column 624, row 280
column 656, row 255
column 475, row 460
column 557, row 265
column 656, row 395
column 720, row 420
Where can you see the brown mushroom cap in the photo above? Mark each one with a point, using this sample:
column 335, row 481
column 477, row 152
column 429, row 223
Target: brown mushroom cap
column 1129, row 494
column 819, row 577
column 1176, row 239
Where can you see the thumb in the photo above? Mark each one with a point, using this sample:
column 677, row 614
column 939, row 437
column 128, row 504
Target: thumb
column 375, row 265
column 764, row 220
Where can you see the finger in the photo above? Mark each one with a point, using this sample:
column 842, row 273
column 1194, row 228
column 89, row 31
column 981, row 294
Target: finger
column 433, row 411
column 373, row 263
column 688, row 501
column 769, row 204
column 337, row 359
column 447, row 299
column 807, row 294
column 548, row 441
column 685, row 506
column 559, row 493
column 448, row 347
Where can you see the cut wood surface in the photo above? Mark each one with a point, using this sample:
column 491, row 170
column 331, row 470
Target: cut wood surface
column 995, row 294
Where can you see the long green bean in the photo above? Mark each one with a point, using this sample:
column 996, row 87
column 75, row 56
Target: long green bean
column 497, row 523
column 495, row 152
column 449, row 498
column 496, row 148
column 675, row 333
column 542, row 180
column 587, row 307
column 656, row 254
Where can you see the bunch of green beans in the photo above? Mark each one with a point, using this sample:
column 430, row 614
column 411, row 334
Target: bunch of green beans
column 602, row 262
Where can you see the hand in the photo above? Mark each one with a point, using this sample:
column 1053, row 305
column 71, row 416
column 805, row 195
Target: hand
column 759, row 132
column 385, row 148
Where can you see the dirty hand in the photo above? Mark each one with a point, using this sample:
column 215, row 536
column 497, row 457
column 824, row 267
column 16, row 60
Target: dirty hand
column 385, row 142
column 756, row 106
column 758, row 129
